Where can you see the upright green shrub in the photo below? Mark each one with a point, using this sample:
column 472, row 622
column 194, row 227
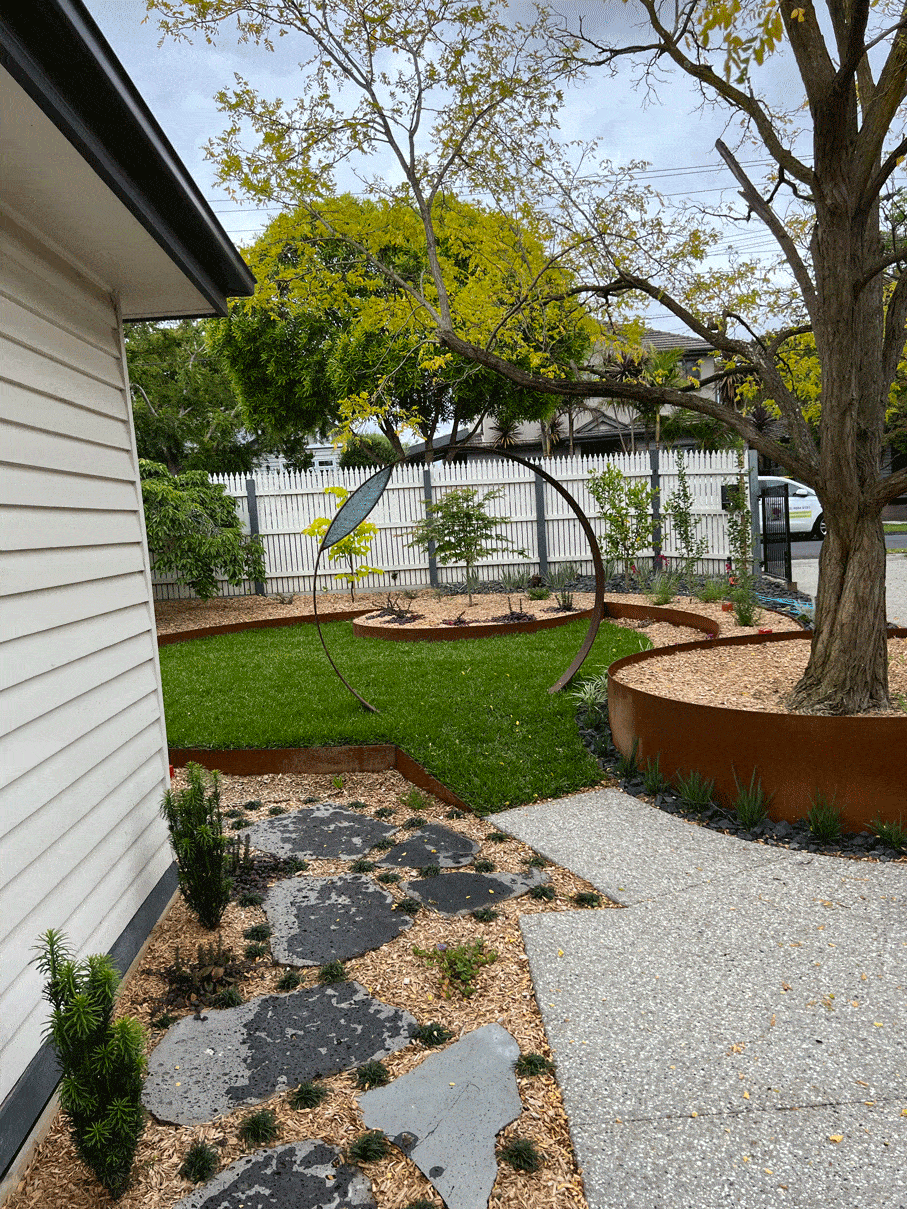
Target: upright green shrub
column 196, row 832
column 626, row 509
column 102, row 1061
column 684, row 526
column 741, row 541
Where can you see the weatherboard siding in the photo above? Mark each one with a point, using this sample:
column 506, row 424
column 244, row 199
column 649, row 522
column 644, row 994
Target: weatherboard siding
column 83, row 749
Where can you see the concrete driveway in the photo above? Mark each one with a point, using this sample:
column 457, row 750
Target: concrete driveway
column 805, row 572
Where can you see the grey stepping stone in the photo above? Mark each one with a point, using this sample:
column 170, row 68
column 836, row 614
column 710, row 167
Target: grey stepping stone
column 322, row 832
column 445, row 1114
column 316, row 920
column 459, row 892
column 301, row 1175
column 243, row 1055
column 432, row 845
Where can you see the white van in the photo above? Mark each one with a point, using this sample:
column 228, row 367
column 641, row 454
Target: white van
column 805, row 511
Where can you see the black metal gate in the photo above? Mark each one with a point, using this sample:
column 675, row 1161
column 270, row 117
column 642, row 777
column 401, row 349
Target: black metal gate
column 776, row 532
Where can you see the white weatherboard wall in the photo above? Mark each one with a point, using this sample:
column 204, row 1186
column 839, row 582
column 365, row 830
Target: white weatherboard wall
column 83, row 755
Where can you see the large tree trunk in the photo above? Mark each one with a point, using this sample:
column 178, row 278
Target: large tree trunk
column 848, row 665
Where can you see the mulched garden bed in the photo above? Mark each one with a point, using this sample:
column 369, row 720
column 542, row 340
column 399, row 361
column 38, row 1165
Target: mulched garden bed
column 157, row 994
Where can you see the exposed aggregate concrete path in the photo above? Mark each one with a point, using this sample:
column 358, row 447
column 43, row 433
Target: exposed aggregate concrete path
column 737, row 1035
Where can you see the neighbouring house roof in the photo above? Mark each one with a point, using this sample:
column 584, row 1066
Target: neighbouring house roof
column 664, row 340
column 84, row 160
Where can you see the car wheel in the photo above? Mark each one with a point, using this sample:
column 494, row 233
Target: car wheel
column 819, row 529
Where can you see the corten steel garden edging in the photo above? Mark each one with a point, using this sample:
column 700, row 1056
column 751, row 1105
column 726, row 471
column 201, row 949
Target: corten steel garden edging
column 258, row 623
column 678, row 617
column 859, row 760
column 367, row 757
column 450, row 633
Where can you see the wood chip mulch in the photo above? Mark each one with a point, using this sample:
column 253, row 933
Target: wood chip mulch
column 393, row 974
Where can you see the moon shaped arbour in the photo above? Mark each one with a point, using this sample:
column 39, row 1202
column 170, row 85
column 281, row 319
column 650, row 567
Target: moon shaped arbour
column 357, row 506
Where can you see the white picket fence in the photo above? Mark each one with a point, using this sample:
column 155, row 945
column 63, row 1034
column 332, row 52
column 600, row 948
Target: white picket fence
column 540, row 521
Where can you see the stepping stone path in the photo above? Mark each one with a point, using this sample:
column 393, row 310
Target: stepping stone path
column 243, row 1055
column 432, row 845
column 458, row 893
column 316, row 920
column 445, row 1114
column 301, row 1175
column 324, row 832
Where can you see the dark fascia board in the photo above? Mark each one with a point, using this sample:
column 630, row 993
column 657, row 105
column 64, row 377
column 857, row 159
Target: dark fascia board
column 57, row 54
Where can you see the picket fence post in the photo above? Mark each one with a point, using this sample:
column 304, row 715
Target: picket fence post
column 252, row 499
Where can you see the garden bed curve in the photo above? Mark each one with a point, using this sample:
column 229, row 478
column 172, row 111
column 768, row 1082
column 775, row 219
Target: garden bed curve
column 859, row 760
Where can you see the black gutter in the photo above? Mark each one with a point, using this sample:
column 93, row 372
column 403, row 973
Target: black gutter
column 57, row 54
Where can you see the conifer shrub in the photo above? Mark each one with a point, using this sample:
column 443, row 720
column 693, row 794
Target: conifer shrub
column 101, row 1060
column 195, row 823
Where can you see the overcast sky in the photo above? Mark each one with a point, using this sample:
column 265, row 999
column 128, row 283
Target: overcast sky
column 178, row 82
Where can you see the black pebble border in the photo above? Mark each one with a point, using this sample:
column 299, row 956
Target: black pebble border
column 770, row 593
column 856, row 845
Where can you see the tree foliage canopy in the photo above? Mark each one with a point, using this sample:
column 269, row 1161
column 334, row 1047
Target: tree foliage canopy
column 336, row 327
column 463, row 99
column 186, row 410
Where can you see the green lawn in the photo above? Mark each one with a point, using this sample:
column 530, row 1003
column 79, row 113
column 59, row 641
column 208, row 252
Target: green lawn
column 895, row 526
column 476, row 714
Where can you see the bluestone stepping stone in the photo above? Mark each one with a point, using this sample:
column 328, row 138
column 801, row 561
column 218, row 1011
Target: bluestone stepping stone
column 459, row 892
column 317, row 920
column 322, row 832
column 245, row 1054
column 432, row 845
column 301, row 1175
column 445, row 1114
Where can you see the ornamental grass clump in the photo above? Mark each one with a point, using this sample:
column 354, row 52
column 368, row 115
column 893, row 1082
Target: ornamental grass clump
column 522, row 1154
column 307, row 1095
column 200, row 1163
column 102, row 1061
column 751, row 803
column 894, row 833
column 194, row 820
column 369, row 1147
column 824, row 818
column 695, row 790
column 654, row 781
column 258, row 1128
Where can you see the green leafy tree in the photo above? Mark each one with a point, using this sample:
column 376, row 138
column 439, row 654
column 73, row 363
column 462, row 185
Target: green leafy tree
column 352, row 549
column 186, row 410
column 462, row 529
column 626, row 509
column 194, row 532
column 463, row 97
column 102, row 1061
column 329, row 333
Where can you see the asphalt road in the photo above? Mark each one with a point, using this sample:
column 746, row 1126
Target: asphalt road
column 810, row 549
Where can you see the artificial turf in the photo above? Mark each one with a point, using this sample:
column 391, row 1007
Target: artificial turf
column 476, row 714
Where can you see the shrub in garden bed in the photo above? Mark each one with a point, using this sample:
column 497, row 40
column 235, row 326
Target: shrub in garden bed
column 102, row 1061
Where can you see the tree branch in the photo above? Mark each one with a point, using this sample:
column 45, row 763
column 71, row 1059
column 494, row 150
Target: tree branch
column 889, row 489
column 669, row 44
column 636, row 392
column 756, row 202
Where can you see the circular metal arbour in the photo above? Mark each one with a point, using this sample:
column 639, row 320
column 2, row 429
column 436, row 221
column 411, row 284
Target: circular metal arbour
column 357, row 506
